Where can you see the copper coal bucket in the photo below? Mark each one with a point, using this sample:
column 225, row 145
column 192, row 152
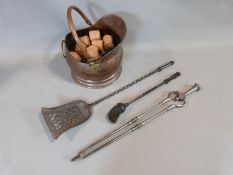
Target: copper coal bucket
column 104, row 71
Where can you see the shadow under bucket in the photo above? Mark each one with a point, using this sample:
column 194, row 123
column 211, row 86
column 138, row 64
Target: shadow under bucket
column 104, row 71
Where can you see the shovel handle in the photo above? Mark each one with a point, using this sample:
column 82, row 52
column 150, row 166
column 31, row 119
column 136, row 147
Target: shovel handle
column 73, row 30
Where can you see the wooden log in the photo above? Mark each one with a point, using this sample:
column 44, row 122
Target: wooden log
column 77, row 48
column 93, row 52
column 94, row 35
column 76, row 56
column 98, row 43
column 108, row 42
column 85, row 40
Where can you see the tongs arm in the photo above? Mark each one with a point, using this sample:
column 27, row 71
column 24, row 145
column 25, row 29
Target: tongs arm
column 179, row 101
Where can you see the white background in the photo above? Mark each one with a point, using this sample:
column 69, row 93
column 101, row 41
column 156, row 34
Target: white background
column 198, row 139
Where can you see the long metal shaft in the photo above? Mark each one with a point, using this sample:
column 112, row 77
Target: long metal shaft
column 166, row 81
column 158, row 69
column 180, row 98
column 90, row 149
column 120, row 108
column 133, row 120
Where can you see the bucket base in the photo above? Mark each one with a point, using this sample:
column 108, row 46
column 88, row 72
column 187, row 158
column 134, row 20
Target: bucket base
column 97, row 84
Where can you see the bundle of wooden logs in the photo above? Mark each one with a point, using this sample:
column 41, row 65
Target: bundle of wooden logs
column 96, row 46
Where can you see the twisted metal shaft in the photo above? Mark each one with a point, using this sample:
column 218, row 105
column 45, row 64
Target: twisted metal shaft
column 160, row 68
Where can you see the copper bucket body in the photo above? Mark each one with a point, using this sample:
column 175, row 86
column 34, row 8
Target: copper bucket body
column 107, row 69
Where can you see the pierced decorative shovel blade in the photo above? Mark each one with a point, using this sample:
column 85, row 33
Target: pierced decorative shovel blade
column 62, row 118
